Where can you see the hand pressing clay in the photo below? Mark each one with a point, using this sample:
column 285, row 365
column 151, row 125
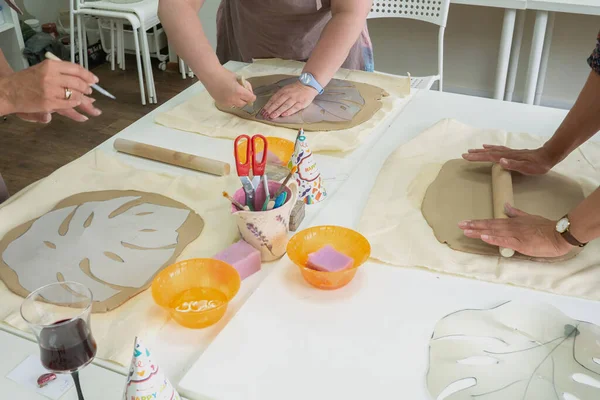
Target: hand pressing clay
column 463, row 191
column 243, row 257
column 329, row 259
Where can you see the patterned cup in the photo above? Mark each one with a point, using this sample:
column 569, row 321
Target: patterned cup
column 266, row 231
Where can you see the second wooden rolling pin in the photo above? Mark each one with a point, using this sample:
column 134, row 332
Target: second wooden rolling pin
column 502, row 193
column 172, row 157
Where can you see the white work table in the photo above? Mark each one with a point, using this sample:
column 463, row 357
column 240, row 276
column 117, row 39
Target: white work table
column 369, row 339
column 175, row 347
column 349, row 181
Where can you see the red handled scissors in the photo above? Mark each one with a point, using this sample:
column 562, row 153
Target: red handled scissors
column 250, row 161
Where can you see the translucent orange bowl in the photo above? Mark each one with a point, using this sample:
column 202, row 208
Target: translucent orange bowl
column 196, row 292
column 283, row 149
column 344, row 240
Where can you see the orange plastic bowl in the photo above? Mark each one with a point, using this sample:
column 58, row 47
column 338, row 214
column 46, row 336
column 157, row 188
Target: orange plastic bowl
column 283, row 149
column 344, row 240
column 196, row 292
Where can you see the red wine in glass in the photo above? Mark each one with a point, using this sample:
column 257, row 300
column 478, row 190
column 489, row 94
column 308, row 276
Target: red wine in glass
column 66, row 346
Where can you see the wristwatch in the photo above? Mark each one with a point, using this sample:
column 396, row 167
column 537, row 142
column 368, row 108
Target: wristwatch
column 307, row 79
column 562, row 227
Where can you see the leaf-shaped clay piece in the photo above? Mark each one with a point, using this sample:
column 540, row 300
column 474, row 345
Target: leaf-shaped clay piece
column 515, row 351
column 113, row 242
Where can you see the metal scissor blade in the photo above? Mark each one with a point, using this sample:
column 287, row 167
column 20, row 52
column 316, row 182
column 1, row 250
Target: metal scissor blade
column 249, row 191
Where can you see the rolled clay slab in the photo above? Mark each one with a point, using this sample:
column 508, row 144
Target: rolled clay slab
column 502, row 192
column 463, row 190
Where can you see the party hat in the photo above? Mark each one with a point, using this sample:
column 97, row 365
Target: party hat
column 308, row 176
column 145, row 380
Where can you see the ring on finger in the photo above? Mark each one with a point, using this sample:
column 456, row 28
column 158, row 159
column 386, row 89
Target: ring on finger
column 68, row 93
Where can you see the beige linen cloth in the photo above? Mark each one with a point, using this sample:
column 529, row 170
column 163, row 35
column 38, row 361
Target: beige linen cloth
column 115, row 331
column 200, row 115
column 399, row 234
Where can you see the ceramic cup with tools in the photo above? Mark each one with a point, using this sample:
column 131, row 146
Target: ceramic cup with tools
column 266, row 231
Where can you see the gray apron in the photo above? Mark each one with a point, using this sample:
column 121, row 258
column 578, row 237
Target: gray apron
column 287, row 29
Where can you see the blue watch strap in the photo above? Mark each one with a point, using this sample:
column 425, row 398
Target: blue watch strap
column 311, row 81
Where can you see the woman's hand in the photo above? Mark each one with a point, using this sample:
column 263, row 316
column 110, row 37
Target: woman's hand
column 228, row 92
column 41, row 89
column 529, row 162
column 289, row 100
column 44, row 118
column 528, row 234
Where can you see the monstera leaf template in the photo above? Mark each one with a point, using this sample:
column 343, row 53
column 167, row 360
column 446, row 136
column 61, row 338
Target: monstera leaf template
column 514, row 352
column 114, row 242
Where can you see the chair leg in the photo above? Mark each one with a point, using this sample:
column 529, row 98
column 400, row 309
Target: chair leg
column 112, row 45
column 72, row 33
column 86, row 63
column 139, row 65
column 182, row 69
column 148, row 62
column 79, row 40
column 122, row 46
column 441, row 58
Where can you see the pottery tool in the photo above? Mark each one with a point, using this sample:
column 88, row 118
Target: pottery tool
column 297, row 215
column 502, row 193
column 236, row 203
column 97, row 88
column 273, row 201
column 242, row 81
column 172, row 157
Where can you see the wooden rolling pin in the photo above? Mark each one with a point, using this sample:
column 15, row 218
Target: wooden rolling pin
column 172, row 157
column 502, row 193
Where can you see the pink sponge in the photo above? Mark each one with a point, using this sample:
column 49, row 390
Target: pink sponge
column 328, row 259
column 244, row 258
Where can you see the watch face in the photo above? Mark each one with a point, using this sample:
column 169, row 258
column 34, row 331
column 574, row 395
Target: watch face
column 562, row 225
column 305, row 78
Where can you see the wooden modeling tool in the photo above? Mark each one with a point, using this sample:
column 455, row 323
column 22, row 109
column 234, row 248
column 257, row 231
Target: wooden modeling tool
column 502, row 193
column 97, row 88
column 236, row 203
column 242, row 81
column 172, row 157
column 279, row 192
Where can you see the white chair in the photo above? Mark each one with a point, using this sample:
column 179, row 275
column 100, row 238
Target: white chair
column 81, row 36
column 142, row 15
column 432, row 11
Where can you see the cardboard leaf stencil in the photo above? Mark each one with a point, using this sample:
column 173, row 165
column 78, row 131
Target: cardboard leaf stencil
column 514, row 352
column 113, row 242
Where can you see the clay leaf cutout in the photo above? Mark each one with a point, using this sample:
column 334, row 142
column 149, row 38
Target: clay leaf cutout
column 515, row 351
column 112, row 245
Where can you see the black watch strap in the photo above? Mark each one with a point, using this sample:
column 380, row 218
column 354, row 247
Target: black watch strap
column 570, row 238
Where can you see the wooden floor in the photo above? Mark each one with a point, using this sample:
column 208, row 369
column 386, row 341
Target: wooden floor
column 29, row 152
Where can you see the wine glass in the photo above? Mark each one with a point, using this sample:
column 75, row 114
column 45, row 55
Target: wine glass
column 59, row 316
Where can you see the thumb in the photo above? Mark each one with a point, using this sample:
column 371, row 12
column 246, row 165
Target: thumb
column 523, row 167
column 513, row 211
column 41, row 118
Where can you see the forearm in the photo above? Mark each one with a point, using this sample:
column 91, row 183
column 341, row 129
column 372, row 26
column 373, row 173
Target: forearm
column 6, row 103
column 585, row 218
column 335, row 43
column 5, row 68
column 580, row 124
column 181, row 22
